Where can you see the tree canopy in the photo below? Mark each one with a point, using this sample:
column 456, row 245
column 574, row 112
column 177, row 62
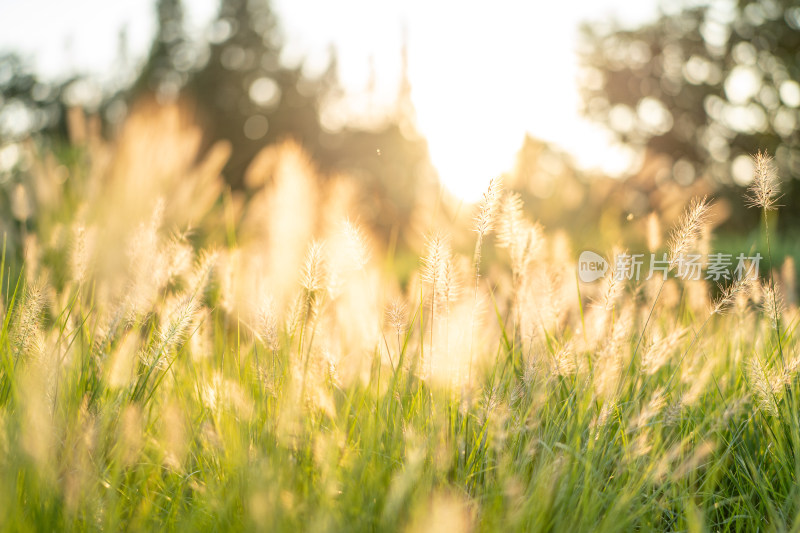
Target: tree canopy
column 704, row 86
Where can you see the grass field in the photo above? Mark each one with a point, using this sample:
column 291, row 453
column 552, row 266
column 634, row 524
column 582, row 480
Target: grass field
column 174, row 356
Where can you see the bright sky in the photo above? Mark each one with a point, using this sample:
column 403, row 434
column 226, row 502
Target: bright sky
column 482, row 74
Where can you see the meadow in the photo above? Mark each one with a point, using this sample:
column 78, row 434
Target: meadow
column 177, row 356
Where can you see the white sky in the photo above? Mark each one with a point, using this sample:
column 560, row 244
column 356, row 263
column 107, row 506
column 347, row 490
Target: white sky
column 482, row 73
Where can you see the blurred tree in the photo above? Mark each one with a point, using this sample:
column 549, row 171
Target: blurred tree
column 247, row 95
column 704, row 88
column 244, row 93
column 28, row 104
column 170, row 57
column 32, row 105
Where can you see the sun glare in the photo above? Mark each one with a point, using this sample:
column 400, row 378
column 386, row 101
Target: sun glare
column 517, row 74
column 506, row 91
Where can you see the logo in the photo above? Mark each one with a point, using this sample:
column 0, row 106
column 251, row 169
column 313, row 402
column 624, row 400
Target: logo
column 591, row 266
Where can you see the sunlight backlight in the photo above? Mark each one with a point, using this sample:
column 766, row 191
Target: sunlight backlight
column 481, row 78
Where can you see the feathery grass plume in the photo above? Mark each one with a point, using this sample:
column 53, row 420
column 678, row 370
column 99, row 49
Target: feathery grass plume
column 294, row 315
column 82, row 249
column 613, row 284
column 549, row 302
column 267, row 324
column 764, row 191
column 660, row 350
column 219, row 393
column 784, row 378
column 761, row 386
column 181, row 310
column 604, row 417
column 522, row 251
column 565, row 360
column 641, row 445
column 750, row 289
column 355, row 244
column 396, row 316
column 434, row 272
column 756, row 290
column 520, row 237
column 201, row 345
column 512, row 219
column 484, row 220
column 147, row 265
column 729, row 296
column 437, row 253
column 517, row 234
column 686, row 234
column 483, row 225
column 281, row 218
column 610, row 359
column 348, row 254
column 178, row 319
column 656, row 404
column 313, row 274
column 203, row 271
column 178, row 255
column 29, row 318
column 450, row 283
column 771, row 303
column 313, row 280
column 673, row 413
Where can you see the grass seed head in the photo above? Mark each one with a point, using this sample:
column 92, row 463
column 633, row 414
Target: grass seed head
column 396, row 316
column 761, row 386
column 660, row 350
column 686, row 234
column 487, row 209
column 730, row 295
column 356, row 244
column 267, row 325
column 764, row 191
column 771, row 303
column 313, row 276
